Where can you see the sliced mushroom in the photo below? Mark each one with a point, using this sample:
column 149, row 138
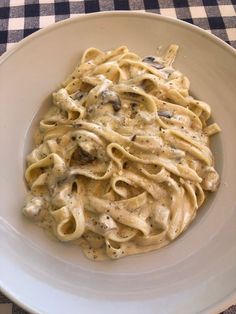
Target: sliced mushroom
column 165, row 114
column 110, row 97
column 82, row 157
column 153, row 62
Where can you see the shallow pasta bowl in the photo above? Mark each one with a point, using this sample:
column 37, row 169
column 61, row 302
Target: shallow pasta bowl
column 195, row 273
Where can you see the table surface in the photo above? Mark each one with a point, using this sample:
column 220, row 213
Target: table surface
column 20, row 18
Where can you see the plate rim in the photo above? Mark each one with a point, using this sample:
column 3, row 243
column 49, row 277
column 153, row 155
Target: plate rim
column 219, row 306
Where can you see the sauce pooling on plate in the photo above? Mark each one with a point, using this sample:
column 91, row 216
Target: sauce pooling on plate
column 122, row 158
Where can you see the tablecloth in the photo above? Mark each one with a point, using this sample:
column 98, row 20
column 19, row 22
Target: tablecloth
column 19, row 19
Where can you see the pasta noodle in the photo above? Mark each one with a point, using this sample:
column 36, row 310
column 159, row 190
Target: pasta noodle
column 122, row 159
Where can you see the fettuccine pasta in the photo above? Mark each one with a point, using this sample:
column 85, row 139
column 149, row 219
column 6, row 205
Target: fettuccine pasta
column 122, row 159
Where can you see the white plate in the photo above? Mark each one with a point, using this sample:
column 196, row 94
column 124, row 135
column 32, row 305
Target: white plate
column 197, row 272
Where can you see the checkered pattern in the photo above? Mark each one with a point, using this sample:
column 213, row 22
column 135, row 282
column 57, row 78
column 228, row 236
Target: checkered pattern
column 19, row 19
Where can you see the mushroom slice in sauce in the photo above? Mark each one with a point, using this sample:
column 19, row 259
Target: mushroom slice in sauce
column 110, row 97
column 153, row 62
column 165, row 114
column 82, row 157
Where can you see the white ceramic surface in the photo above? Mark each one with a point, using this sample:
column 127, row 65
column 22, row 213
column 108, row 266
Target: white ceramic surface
column 197, row 272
